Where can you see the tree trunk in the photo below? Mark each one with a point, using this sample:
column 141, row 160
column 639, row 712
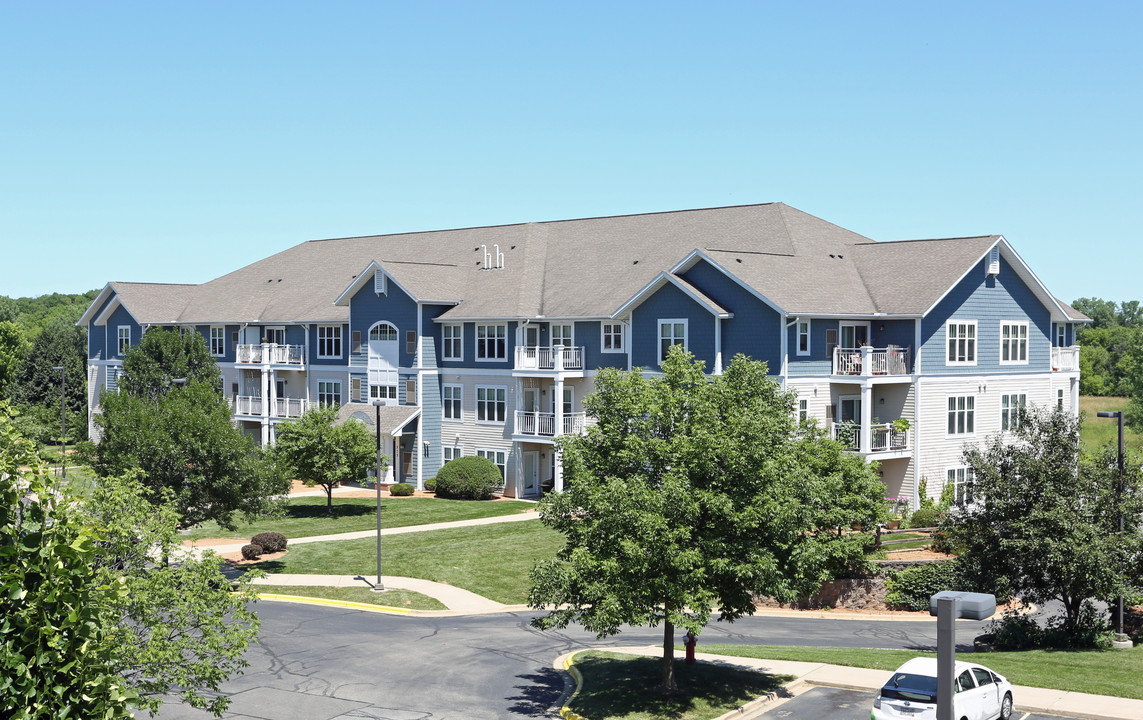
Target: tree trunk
column 668, row 661
column 329, row 499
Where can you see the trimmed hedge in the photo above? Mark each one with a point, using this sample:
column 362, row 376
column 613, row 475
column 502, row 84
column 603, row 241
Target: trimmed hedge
column 468, row 478
column 925, row 517
column 271, row 542
column 401, row 489
column 251, row 551
column 912, row 588
column 431, row 484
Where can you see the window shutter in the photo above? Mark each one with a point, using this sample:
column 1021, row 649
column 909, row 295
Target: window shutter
column 356, row 342
column 410, row 342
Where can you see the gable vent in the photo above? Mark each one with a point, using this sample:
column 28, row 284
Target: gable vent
column 378, row 282
column 994, row 261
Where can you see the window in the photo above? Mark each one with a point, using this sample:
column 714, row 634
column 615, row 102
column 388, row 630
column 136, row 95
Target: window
column 803, row 410
column 218, row 341
column 561, row 335
column 329, row 393
column 452, row 453
column 124, row 338
column 962, row 412
column 961, row 478
column 962, row 343
column 498, row 457
column 1010, row 407
column 964, row 681
column 329, row 341
column 383, row 392
column 671, row 332
column 803, row 337
column 612, row 337
column 1014, row 343
column 453, row 342
column 411, row 342
column 411, row 392
column 490, row 404
column 491, row 342
column 383, row 331
column 1061, row 335
column 452, row 402
column 275, row 335
column 1059, row 398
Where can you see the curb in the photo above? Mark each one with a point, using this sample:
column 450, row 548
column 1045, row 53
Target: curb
column 347, row 604
column 566, row 663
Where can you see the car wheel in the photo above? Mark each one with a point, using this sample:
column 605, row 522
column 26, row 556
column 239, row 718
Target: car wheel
column 1006, row 707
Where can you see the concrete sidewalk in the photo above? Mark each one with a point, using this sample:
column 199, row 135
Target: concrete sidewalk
column 1028, row 699
column 458, row 600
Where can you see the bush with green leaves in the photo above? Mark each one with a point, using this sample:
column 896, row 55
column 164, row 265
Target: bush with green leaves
column 468, row 478
column 1021, row 632
column 401, row 489
column 431, row 484
column 924, row 517
column 271, row 542
column 913, row 587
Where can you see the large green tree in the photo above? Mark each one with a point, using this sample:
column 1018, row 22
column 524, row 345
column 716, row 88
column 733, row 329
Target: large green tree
column 1045, row 521
column 165, row 357
column 60, row 344
column 693, row 492
column 318, row 451
column 12, row 349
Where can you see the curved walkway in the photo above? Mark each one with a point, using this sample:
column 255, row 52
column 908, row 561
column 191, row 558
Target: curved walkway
column 458, row 600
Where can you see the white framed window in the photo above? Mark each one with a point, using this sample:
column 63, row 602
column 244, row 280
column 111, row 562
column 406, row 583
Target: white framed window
column 1059, row 398
column 563, row 334
column 274, row 335
column 383, row 392
column 498, row 457
column 452, row 402
column 611, row 340
column 962, row 479
column 453, row 342
column 1014, row 343
column 961, row 336
column 383, row 331
column 803, row 410
column 329, row 393
column 1061, row 335
column 1010, row 407
column 491, row 342
column 803, row 337
column 962, row 415
column 671, row 332
column 491, row 404
column 452, row 453
column 124, row 339
column 217, row 341
column 329, row 341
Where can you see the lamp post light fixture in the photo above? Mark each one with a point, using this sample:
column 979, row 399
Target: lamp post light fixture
column 63, row 421
column 1121, row 640
column 379, row 587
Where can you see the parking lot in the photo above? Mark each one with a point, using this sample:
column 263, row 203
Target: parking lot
column 823, row 703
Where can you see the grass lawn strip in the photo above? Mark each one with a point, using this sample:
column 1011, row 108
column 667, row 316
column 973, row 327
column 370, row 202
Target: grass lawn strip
column 307, row 517
column 1098, row 672
column 623, row 687
column 406, row 599
column 1097, row 431
column 491, row 560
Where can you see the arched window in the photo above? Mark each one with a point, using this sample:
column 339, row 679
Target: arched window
column 383, row 331
column 384, row 358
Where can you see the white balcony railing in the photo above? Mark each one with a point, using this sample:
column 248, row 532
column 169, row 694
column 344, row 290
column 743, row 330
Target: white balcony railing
column 543, row 424
column 1065, row 359
column 558, row 357
column 253, row 406
column 270, row 353
column 869, row 361
column 882, row 437
column 290, row 407
column 250, row 405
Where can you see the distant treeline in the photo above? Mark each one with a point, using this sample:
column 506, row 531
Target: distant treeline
column 1111, row 347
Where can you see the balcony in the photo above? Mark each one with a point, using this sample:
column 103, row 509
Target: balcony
column 270, row 354
column 1065, row 359
column 556, row 358
column 543, row 424
column 290, row 407
column 882, row 438
column 253, row 406
column 247, row 405
column 870, row 362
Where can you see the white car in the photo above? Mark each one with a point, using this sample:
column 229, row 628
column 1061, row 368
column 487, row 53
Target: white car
column 979, row 693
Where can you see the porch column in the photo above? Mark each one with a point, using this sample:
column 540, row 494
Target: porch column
column 265, row 407
column 866, row 361
column 866, row 414
column 1075, row 396
column 272, row 410
column 518, row 464
column 557, row 471
column 558, row 407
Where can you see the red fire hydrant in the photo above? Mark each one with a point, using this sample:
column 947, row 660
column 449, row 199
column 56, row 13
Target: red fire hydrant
column 690, row 645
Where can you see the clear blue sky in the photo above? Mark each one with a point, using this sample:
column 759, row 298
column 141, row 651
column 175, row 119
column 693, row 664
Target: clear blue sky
column 175, row 142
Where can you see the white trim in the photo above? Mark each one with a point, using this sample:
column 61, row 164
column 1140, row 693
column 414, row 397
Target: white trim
column 660, row 280
column 120, row 348
column 659, row 335
column 1004, row 344
column 222, row 328
column 967, row 478
column 969, row 413
column 477, row 408
column 445, row 401
column 504, row 467
column 690, row 260
column 1010, row 414
column 552, row 333
column 843, row 324
column 476, row 337
column 340, row 396
column 318, row 339
column 798, row 334
column 459, row 341
column 975, row 343
column 603, row 334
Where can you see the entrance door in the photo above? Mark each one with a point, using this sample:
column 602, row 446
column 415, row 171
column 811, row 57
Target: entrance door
column 384, row 357
column 529, row 422
column 854, row 335
column 250, row 335
column 531, row 473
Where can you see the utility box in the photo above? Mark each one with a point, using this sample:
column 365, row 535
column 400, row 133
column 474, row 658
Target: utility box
column 969, row 605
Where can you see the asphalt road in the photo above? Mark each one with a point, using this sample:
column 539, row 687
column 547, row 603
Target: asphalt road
column 833, row 704
column 320, row 663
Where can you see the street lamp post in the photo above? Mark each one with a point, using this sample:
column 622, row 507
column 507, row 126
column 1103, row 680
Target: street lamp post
column 1119, row 636
column 63, row 420
column 379, row 587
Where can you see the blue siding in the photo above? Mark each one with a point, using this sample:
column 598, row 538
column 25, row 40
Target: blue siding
column 97, row 344
column 431, row 425
column 121, row 317
column 589, row 336
column 989, row 301
column 669, row 302
column 367, row 308
column 312, row 341
column 756, row 328
column 470, row 349
column 897, row 332
column 819, row 361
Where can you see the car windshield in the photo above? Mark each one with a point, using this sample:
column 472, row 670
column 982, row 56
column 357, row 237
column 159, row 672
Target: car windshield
column 906, row 686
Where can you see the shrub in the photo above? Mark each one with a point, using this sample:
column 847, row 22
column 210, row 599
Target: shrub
column 271, row 542
column 468, row 478
column 1021, row 632
column 912, row 588
column 252, row 551
column 431, row 484
column 401, row 489
column 924, row 517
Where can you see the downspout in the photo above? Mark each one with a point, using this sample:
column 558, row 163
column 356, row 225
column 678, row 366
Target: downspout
column 717, row 345
column 785, row 347
column 917, row 414
column 420, row 397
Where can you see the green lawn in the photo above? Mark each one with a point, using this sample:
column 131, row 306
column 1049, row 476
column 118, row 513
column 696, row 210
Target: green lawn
column 306, row 516
column 490, row 560
column 1097, row 431
column 617, row 686
column 390, row 598
column 1102, row 672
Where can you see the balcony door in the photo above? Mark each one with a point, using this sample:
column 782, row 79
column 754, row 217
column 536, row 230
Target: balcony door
column 854, row 335
column 849, row 409
column 530, row 422
column 531, row 473
column 384, row 358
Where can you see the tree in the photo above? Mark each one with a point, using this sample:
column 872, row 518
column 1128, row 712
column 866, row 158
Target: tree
column 318, row 452
column 1045, row 524
column 92, row 626
column 60, row 344
column 12, row 349
column 163, row 356
column 692, row 493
